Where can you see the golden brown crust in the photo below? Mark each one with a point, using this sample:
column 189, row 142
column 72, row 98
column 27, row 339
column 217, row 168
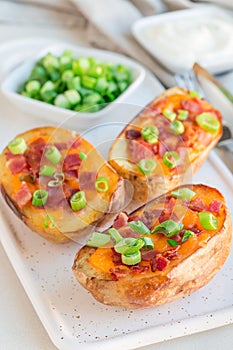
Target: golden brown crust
column 149, row 187
column 151, row 289
column 69, row 225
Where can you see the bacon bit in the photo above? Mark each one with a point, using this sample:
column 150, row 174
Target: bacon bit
column 17, row 164
column 148, row 255
column 167, row 212
column 161, row 149
column 197, row 204
column 171, row 253
column 170, row 141
column 204, row 137
column 121, row 220
column 196, row 230
column 72, row 162
column 149, row 217
column 139, row 268
column 71, row 173
column 77, row 142
column 155, row 149
column 215, row 206
column 9, row 156
column 194, row 106
column 117, row 273
column 60, row 145
column 23, row 195
column 116, row 257
column 161, row 262
column 38, row 145
column 126, row 232
column 33, row 158
column 132, row 134
column 138, row 150
column 87, row 180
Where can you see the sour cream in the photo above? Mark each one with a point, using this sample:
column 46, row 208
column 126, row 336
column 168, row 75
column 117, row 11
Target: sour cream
column 185, row 41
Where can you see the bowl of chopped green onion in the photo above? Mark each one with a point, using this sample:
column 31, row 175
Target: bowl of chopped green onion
column 82, row 84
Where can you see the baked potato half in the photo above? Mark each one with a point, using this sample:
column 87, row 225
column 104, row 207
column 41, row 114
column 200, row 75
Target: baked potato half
column 165, row 250
column 166, row 143
column 57, row 183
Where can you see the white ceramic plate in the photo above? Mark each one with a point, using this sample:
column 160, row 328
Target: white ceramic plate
column 42, row 110
column 142, row 30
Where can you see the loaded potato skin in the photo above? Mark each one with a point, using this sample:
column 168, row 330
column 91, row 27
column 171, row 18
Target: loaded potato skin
column 64, row 168
column 178, row 264
column 166, row 143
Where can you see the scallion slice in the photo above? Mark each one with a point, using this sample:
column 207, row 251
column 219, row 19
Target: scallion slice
column 169, row 115
column 49, row 222
column 187, row 234
column 78, row 201
column 139, row 227
column 150, row 134
column 146, row 166
column 194, row 93
column 182, row 114
column 39, row 198
column 47, row 170
column 172, row 242
column 131, row 259
column 53, row 154
column 171, row 159
column 208, row 122
column 183, row 193
column 148, row 243
column 58, row 180
column 115, row 234
column 98, row 239
column 128, row 245
column 169, row 228
column 208, row 220
column 101, row 184
column 28, row 178
column 177, row 127
column 82, row 156
column 17, row 146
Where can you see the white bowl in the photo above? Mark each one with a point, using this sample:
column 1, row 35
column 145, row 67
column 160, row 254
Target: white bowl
column 144, row 28
column 57, row 115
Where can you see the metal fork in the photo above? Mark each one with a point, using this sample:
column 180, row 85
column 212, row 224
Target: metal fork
column 189, row 81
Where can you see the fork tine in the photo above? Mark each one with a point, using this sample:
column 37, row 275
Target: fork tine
column 189, row 81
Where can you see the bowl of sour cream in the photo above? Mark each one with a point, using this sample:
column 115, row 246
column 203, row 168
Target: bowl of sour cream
column 181, row 38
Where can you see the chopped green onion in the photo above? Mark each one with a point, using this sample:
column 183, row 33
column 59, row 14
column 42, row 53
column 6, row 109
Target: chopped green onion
column 49, row 222
column 150, row 134
column 73, row 97
column 169, row 115
column 148, row 243
column 171, row 159
column 131, row 259
column 33, row 87
column 81, row 65
column 139, row 227
column 48, row 91
column 187, row 234
column 183, row 193
column 182, row 114
column 88, row 82
column 115, row 235
column 50, row 62
column 58, row 180
column 67, row 75
column 28, row 178
column 172, row 242
column 78, row 201
column 208, row 122
column 47, row 170
column 101, row 184
column 128, row 245
column 194, row 93
column 82, row 156
column 169, row 228
column 146, row 166
column 98, row 239
column 17, row 146
column 208, row 220
column 53, row 154
column 177, row 127
column 39, row 198
column 74, row 83
column 62, row 101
